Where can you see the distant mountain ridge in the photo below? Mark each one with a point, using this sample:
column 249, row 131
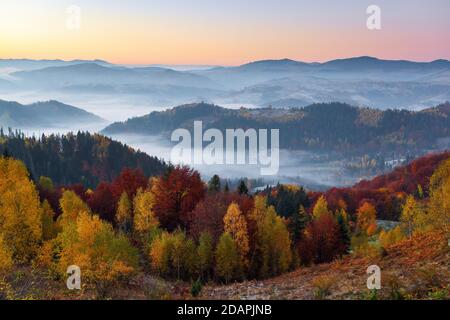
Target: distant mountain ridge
column 47, row 114
column 31, row 64
column 94, row 73
column 319, row 127
column 362, row 81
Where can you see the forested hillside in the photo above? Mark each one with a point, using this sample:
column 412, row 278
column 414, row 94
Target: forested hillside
column 76, row 158
column 319, row 127
column 45, row 114
column 387, row 192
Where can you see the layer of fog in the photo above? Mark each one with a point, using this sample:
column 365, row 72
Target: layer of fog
column 299, row 167
column 112, row 108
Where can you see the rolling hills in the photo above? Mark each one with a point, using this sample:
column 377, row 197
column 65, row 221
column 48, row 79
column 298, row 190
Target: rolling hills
column 47, row 114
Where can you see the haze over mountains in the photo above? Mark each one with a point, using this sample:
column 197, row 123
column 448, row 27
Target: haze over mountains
column 298, row 93
column 361, row 81
column 48, row 114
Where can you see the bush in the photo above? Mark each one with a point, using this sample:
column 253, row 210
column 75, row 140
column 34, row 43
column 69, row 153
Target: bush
column 322, row 286
column 196, row 288
column 361, row 246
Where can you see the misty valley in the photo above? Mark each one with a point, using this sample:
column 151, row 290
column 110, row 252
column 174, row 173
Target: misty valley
column 217, row 177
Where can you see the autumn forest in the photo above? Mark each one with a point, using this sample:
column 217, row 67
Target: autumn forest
column 172, row 225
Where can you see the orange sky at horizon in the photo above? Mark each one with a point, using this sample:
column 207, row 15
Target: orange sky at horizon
column 36, row 31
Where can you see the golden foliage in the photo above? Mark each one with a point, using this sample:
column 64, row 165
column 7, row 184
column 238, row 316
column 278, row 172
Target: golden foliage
column 411, row 214
column 123, row 213
column 160, row 253
column 71, row 206
column 91, row 244
column 259, row 209
column 323, row 285
column 49, row 226
column 320, row 208
column 274, row 245
column 439, row 205
column 227, row 258
column 366, row 219
column 174, row 255
column 20, row 210
column 236, row 225
column 144, row 217
column 388, row 238
column 6, row 261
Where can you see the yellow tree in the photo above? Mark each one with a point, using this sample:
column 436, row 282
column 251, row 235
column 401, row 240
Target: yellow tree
column 159, row 254
column 320, row 208
column 20, row 210
column 236, row 225
column 388, row 238
column 227, row 258
column 366, row 218
column 205, row 254
column 71, row 206
column 123, row 213
column 144, row 217
column 49, row 226
column 410, row 213
column 259, row 210
column 6, row 261
column 175, row 255
column 439, row 204
column 274, row 245
column 91, row 244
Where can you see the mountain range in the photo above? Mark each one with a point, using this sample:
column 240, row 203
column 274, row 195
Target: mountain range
column 362, row 81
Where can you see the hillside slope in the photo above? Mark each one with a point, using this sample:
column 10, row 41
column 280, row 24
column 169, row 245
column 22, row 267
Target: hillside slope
column 47, row 114
column 77, row 158
column 408, row 268
column 318, row 127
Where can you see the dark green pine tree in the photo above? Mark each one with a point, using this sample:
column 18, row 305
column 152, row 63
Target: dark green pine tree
column 298, row 223
column 214, row 184
column 242, row 188
column 344, row 231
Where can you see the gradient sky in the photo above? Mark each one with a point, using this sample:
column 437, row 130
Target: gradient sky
column 223, row 32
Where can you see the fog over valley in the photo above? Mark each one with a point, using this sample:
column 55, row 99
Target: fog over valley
column 98, row 96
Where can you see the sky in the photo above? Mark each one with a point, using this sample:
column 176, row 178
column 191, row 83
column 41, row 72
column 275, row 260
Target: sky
column 223, row 32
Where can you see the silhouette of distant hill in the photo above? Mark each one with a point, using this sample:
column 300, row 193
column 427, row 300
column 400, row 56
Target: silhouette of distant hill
column 48, row 114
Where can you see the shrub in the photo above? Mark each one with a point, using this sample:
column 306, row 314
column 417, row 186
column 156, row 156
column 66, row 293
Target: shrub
column 323, row 285
column 196, row 288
